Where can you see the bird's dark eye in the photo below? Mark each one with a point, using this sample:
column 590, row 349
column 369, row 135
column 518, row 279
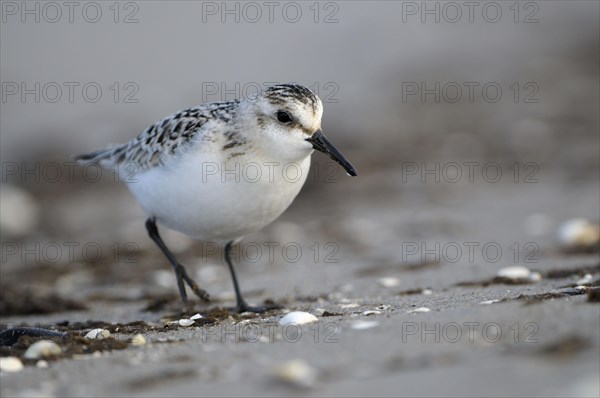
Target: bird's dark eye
column 284, row 117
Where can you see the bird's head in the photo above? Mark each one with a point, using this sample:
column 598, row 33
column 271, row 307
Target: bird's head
column 288, row 116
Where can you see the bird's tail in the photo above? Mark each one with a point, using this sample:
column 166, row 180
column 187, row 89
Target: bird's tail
column 107, row 158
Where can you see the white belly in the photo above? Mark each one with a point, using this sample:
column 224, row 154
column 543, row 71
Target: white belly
column 210, row 200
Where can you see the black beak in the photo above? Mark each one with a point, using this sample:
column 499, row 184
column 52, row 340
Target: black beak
column 322, row 144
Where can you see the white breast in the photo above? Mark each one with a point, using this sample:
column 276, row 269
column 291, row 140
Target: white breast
column 210, row 198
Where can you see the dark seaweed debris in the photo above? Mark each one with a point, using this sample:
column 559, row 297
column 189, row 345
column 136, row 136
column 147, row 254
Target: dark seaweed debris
column 11, row 336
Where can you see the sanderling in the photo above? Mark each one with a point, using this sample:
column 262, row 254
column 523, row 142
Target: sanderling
column 217, row 171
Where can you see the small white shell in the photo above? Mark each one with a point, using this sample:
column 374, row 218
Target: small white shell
column 298, row 318
column 427, row 292
column 371, row 312
column 138, row 340
column 97, row 334
column 42, row 349
column 186, row 322
column 389, row 282
column 197, row 316
column 515, row 272
column 420, row 309
column 10, row 364
column 364, row 325
column 296, row 373
column 42, row 364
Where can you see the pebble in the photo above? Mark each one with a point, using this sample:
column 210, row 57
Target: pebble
column 371, row 312
column 427, row 292
column 419, row 309
column 138, row 340
column 97, row 334
column 389, row 282
column 298, row 318
column 296, row 373
column 364, row 325
column 10, row 364
column 42, row 364
column 42, row 349
column 197, row 316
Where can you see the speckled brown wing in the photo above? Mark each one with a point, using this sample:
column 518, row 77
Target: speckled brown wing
column 164, row 138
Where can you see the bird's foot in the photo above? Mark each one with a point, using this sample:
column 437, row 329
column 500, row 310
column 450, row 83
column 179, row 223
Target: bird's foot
column 182, row 275
column 244, row 307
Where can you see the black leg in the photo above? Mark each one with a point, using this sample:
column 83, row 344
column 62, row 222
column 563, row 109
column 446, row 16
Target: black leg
column 241, row 305
column 180, row 271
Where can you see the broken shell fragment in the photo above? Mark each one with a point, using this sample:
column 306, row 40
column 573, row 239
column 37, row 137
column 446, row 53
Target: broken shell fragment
column 519, row 273
column 97, row 334
column 420, row 309
column 138, row 340
column 486, row 302
column 186, row 322
column 516, row 272
column 587, row 278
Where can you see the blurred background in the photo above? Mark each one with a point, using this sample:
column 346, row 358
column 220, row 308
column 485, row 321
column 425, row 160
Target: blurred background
column 408, row 87
column 468, row 122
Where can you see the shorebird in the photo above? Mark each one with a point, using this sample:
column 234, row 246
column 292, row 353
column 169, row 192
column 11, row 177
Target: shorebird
column 219, row 171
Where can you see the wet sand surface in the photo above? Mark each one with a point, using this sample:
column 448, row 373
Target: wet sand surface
column 401, row 310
